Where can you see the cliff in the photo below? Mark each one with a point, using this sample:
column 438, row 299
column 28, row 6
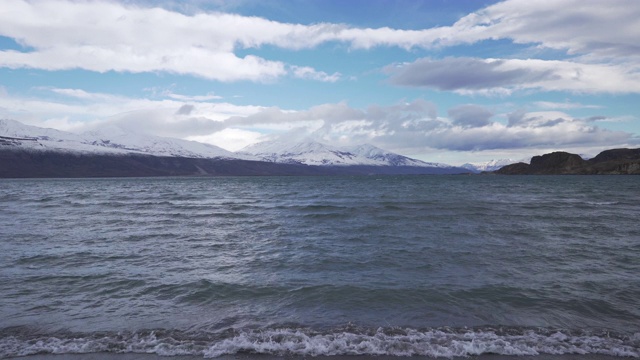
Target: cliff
column 608, row 162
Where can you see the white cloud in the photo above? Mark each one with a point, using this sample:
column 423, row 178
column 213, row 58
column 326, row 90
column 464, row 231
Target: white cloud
column 560, row 134
column 207, row 97
column 603, row 28
column 80, row 94
column 563, row 105
column 617, row 119
column 305, row 72
column 470, row 115
column 409, row 127
column 413, row 127
column 231, row 139
column 108, row 36
column 197, row 62
column 79, row 110
column 503, row 76
column 102, row 36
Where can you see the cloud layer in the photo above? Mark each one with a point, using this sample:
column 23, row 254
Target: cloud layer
column 414, row 126
column 407, row 127
column 107, row 36
column 503, row 76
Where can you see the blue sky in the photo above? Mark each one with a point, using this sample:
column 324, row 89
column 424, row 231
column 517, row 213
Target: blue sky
column 442, row 80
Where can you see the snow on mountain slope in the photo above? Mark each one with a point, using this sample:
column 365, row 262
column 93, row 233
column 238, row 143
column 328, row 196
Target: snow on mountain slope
column 309, row 153
column 115, row 137
column 491, row 165
column 105, row 140
column 389, row 158
column 14, row 134
column 115, row 140
column 315, row 153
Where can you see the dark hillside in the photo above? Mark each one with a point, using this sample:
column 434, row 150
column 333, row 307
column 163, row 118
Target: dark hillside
column 608, row 162
column 51, row 164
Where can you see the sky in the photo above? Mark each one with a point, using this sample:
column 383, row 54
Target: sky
column 449, row 81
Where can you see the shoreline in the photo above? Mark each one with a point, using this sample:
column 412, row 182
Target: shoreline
column 143, row 356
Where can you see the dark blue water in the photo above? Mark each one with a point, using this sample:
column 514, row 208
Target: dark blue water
column 411, row 265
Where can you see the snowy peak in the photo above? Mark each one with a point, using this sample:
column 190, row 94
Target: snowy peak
column 116, row 140
column 20, row 136
column 491, row 165
column 306, row 152
column 119, row 138
column 11, row 129
column 316, row 153
column 103, row 140
column 375, row 153
column 274, row 147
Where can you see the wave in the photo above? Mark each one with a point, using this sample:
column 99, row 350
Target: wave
column 602, row 203
column 294, row 341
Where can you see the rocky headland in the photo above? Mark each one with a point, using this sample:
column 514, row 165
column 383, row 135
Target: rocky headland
column 608, row 162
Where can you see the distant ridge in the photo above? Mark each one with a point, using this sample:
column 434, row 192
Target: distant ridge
column 609, row 162
column 312, row 152
column 103, row 140
column 55, row 164
column 29, row 151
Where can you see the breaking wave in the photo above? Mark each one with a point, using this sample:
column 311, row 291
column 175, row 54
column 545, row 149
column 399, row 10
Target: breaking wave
column 435, row 342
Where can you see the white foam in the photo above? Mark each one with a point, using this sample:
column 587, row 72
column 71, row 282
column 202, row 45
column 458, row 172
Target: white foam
column 601, row 203
column 299, row 342
column 433, row 343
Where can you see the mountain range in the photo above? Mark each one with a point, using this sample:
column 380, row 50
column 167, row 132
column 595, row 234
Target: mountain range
column 107, row 140
column 316, row 153
column 608, row 162
column 30, row 151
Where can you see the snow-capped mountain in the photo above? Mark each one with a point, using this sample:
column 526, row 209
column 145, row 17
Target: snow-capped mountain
column 113, row 140
column 388, row 158
column 104, row 140
column 115, row 137
column 316, row 153
column 491, row 165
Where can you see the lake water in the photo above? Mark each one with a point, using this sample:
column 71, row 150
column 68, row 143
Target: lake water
column 392, row 265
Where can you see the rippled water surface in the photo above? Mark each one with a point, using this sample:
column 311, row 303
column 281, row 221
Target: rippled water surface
column 410, row 265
